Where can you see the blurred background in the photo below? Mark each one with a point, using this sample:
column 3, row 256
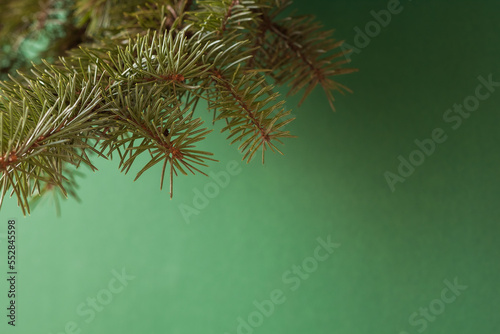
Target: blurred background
column 352, row 231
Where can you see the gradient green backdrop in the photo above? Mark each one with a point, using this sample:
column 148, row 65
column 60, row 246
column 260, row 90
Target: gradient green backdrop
column 397, row 248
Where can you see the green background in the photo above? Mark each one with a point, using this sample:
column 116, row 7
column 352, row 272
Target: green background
column 397, row 248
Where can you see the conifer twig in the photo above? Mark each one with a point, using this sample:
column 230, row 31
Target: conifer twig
column 133, row 90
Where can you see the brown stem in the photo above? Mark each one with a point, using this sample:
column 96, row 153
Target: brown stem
column 281, row 32
column 243, row 105
column 228, row 15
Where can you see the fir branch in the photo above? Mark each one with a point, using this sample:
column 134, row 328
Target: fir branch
column 162, row 127
column 251, row 116
column 296, row 53
column 44, row 126
column 135, row 89
column 224, row 15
